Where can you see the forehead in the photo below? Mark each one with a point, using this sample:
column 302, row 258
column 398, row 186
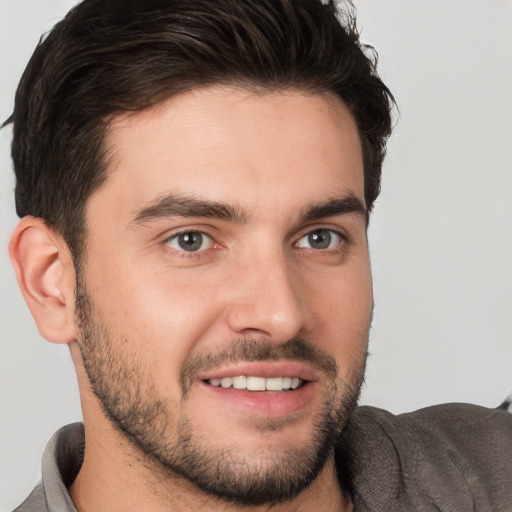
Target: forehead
column 230, row 144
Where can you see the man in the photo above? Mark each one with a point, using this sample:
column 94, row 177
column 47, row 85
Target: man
column 194, row 183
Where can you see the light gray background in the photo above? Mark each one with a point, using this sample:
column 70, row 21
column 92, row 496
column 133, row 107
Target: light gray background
column 441, row 234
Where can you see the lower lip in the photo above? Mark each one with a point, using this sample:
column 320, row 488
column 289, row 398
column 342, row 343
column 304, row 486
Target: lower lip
column 265, row 404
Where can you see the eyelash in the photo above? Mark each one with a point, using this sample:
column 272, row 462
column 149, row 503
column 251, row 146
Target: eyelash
column 183, row 252
column 324, row 230
column 200, row 252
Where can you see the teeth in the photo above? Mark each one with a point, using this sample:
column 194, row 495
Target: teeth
column 275, row 384
column 226, row 382
column 257, row 383
column 240, row 382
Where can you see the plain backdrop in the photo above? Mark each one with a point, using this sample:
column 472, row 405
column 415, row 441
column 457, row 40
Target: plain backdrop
column 441, row 237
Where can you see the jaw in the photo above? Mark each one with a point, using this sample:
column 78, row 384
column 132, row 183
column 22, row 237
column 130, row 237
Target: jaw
column 264, row 444
column 266, row 422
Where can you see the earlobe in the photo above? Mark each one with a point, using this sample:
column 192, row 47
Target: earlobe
column 45, row 273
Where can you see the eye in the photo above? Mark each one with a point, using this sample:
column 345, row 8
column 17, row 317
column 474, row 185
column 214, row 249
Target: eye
column 190, row 241
column 320, row 239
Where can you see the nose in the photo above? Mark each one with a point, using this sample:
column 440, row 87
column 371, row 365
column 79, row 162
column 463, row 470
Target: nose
column 267, row 301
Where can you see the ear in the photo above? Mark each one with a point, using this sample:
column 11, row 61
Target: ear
column 45, row 272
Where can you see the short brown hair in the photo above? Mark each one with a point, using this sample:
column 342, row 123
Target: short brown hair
column 111, row 56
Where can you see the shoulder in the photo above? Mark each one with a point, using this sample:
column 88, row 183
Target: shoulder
column 447, row 422
column 447, row 454
column 460, row 430
column 35, row 502
column 61, row 462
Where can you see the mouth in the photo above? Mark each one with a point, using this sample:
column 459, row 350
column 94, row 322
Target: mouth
column 264, row 389
column 258, row 384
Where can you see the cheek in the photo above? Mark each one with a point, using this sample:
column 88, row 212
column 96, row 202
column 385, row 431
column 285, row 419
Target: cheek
column 161, row 315
column 343, row 310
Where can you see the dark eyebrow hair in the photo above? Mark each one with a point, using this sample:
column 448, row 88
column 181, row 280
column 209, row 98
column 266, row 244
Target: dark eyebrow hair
column 175, row 205
column 335, row 206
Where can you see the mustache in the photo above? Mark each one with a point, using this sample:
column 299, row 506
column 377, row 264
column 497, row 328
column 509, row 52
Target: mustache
column 250, row 350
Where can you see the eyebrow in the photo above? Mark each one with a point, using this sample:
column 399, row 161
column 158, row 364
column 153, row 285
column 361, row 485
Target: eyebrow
column 174, row 205
column 336, row 206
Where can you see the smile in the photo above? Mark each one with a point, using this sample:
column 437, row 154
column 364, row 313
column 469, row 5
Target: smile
column 251, row 383
column 262, row 389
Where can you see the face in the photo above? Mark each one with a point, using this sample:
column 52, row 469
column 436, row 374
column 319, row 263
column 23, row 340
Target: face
column 225, row 298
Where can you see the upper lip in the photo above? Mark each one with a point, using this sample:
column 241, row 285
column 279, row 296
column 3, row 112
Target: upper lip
column 265, row 369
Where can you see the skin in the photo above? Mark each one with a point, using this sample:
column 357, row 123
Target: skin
column 270, row 157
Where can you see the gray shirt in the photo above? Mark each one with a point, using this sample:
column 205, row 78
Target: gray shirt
column 446, row 458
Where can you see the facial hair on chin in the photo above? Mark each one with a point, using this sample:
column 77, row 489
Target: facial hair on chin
column 129, row 398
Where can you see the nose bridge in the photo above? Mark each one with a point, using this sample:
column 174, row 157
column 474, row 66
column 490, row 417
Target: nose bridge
column 267, row 301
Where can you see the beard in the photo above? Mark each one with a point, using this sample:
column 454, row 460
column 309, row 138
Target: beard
column 171, row 445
